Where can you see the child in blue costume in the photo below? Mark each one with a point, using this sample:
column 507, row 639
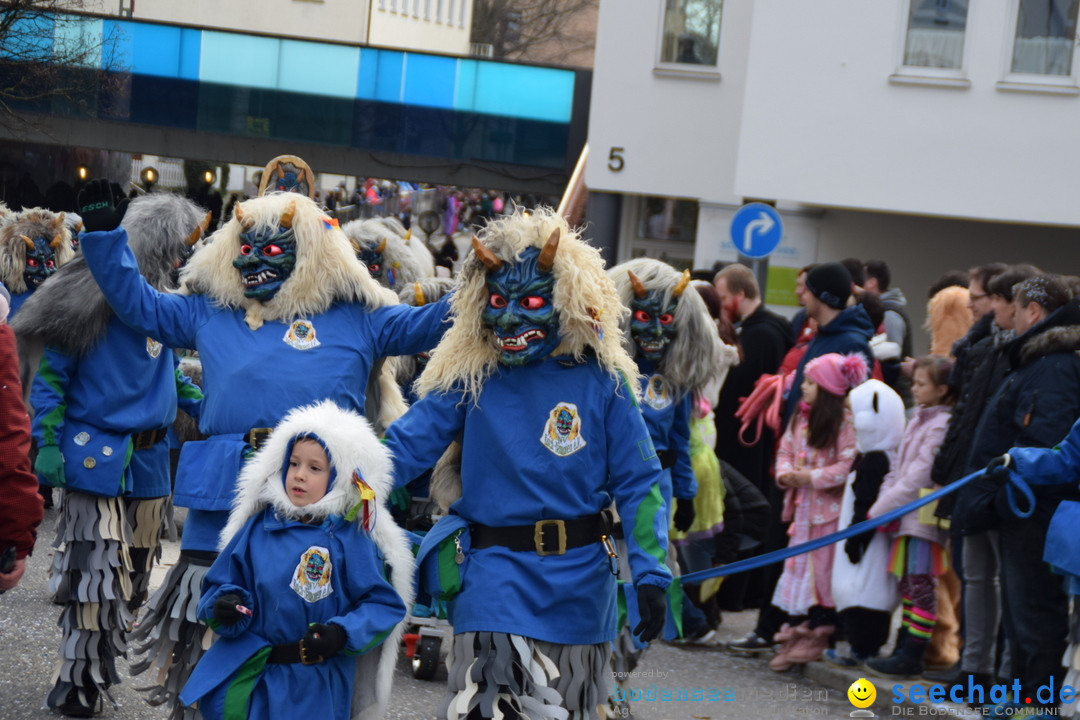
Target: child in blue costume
column 277, row 295
column 299, row 593
column 534, row 376
column 103, row 398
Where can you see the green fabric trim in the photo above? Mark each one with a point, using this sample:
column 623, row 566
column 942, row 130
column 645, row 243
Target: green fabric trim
column 647, row 449
column 620, row 603
column 448, row 567
column 127, row 461
column 186, row 390
column 674, row 600
column 238, row 694
column 645, row 519
column 633, row 398
column 55, row 417
column 375, row 641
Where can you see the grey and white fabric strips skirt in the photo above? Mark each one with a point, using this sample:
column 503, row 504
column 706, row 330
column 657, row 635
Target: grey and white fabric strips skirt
column 498, row 675
column 92, row 580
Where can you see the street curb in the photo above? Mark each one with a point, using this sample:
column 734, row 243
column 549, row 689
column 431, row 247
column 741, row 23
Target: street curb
column 842, row 678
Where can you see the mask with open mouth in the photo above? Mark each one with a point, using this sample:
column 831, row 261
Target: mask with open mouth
column 40, row 261
column 652, row 324
column 520, row 310
column 265, row 262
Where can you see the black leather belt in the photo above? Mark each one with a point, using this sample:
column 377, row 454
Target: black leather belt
column 148, row 438
column 293, row 653
column 544, row 537
column 667, row 458
column 257, row 437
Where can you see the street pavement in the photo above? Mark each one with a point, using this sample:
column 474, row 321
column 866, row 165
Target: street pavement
column 743, row 686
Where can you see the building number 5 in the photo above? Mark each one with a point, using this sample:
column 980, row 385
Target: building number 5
column 615, row 159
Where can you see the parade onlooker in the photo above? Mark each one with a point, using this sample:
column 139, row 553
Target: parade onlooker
column 812, row 466
column 897, row 323
column 918, row 551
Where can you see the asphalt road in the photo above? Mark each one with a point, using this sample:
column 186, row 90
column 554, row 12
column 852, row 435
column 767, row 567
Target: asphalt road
column 744, row 688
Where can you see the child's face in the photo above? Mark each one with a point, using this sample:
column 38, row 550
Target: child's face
column 809, row 390
column 308, row 473
column 924, row 390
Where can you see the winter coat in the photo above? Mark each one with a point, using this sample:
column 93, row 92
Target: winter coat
column 849, row 332
column 829, row 468
column 21, row 509
column 1039, row 400
column 765, row 338
column 910, row 473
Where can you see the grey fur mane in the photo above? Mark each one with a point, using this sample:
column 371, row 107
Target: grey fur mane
column 69, row 311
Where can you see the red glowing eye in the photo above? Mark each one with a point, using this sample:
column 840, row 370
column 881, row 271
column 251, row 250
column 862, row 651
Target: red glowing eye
column 50, row 264
column 245, row 249
column 272, row 250
column 533, row 302
column 666, row 319
column 642, row 316
column 374, row 268
column 497, row 301
column 32, row 262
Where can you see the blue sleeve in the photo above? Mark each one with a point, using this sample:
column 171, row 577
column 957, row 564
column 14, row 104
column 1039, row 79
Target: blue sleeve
column 170, row 319
column 376, row 606
column 419, row 437
column 230, row 573
column 407, row 330
column 1058, row 465
column 683, row 480
column 48, row 395
column 634, row 476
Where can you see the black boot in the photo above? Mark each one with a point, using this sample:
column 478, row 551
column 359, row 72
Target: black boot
column 906, row 662
column 80, row 702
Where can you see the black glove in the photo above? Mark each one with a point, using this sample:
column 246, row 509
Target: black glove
column 684, row 514
column 99, row 209
column 855, row 546
column 652, row 607
column 323, row 641
column 998, row 469
column 225, row 611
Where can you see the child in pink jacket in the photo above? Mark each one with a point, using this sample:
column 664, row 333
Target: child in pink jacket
column 812, row 465
column 918, row 551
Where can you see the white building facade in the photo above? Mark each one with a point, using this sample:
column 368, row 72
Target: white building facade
column 932, row 134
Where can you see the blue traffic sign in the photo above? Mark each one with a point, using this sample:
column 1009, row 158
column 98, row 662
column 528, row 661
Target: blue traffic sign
column 756, row 229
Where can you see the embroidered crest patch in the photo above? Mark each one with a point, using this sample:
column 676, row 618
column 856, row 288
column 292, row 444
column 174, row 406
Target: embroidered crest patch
column 562, row 431
column 301, row 335
column 153, row 347
column 311, row 579
column 657, row 395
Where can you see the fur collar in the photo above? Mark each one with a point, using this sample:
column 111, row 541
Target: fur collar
column 1055, row 340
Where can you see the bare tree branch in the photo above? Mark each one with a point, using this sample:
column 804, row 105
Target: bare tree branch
column 521, row 28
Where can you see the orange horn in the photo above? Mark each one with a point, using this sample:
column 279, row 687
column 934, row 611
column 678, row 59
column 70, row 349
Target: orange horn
column 199, row 231
column 639, row 289
column 57, row 240
column 491, row 262
column 28, row 241
column 355, row 246
column 420, row 299
column 238, row 213
column 683, row 282
column 547, row 255
column 287, row 216
column 59, row 220
column 381, row 246
column 79, row 226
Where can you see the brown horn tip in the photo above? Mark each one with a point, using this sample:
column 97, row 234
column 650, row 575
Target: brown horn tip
column 381, row 246
column 639, row 288
column 199, row 230
column 57, row 240
column 28, row 241
column 60, row 219
column 79, row 226
column 420, row 299
column 238, row 213
column 287, row 216
column 681, row 285
column 547, row 255
column 491, row 262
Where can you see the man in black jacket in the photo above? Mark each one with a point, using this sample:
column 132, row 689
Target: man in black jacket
column 1035, row 406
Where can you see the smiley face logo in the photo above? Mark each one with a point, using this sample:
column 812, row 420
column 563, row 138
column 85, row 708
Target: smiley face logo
column 862, row 693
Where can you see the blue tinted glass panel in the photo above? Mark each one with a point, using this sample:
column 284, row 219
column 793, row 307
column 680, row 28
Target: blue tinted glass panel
column 318, row 68
column 155, row 49
column 118, row 41
column 190, row 51
column 30, row 39
column 465, row 91
column 526, row 92
column 429, row 80
column 239, row 59
column 78, row 41
column 385, row 68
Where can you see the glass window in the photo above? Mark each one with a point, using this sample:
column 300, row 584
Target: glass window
column 667, row 219
column 691, row 32
column 1045, row 33
column 935, row 33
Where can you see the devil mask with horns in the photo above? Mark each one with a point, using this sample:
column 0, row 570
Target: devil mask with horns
column 35, row 244
column 267, row 255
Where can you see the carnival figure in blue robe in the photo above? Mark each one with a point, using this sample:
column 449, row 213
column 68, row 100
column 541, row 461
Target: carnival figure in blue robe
column 533, row 377
column 34, row 244
column 103, row 399
column 281, row 313
column 318, row 628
